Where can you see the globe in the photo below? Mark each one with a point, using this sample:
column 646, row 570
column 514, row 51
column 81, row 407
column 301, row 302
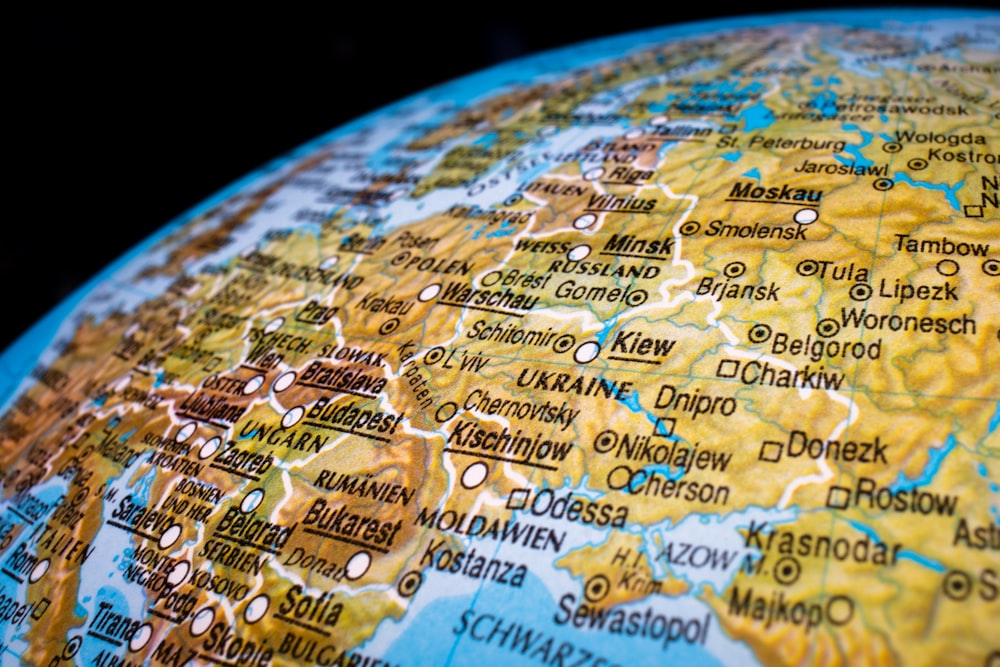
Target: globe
column 669, row 348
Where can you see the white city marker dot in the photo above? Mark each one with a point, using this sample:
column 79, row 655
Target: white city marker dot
column 252, row 500
column 285, row 381
column 593, row 174
column 257, row 608
column 169, row 536
column 475, row 474
column 429, row 292
column 202, row 621
column 634, row 133
column 209, row 448
column 179, row 573
column 38, row 571
column 253, row 384
column 806, row 216
column 274, row 325
column 358, row 565
column 329, row 262
column 579, row 252
column 141, row 637
column 659, row 120
column 587, row 352
column 293, row 416
column 585, row 221
column 186, row 432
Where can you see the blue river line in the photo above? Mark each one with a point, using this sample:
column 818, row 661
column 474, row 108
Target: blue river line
column 949, row 193
column 935, row 457
column 904, row 553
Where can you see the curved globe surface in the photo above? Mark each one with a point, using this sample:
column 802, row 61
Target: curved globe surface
column 678, row 346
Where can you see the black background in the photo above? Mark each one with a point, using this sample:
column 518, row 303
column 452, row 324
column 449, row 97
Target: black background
column 123, row 120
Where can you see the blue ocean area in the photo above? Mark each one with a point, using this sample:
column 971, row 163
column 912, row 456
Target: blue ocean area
column 47, row 493
column 436, row 636
column 10, row 632
column 950, row 193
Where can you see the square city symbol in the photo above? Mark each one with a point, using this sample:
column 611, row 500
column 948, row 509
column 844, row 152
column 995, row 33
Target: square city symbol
column 664, row 427
column 518, row 499
column 40, row 608
column 723, row 371
column 770, row 451
column 973, row 211
column 838, row 497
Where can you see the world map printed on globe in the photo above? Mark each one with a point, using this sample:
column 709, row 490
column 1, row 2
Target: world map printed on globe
column 678, row 347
